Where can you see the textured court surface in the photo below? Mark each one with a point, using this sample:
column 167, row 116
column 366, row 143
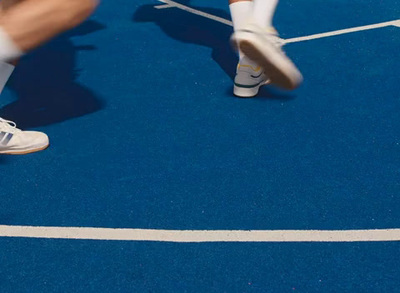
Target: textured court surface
column 145, row 133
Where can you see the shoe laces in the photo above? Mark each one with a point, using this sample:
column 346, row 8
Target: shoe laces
column 8, row 126
column 276, row 40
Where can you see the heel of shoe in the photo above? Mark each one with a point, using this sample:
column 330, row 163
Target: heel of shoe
column 245, row 92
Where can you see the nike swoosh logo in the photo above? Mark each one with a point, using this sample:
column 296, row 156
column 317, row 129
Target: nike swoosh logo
column 253, row 76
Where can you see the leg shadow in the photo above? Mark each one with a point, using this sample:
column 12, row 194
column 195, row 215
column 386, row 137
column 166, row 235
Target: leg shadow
column 189, row 28
column 45, row 83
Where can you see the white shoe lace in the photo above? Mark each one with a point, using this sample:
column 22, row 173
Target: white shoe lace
column 274, row 38
column 277, row 41
column 8, row 126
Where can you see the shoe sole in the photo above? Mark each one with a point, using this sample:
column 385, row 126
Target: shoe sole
column 24, row 152
column 277, row 74
column 279, row 69
column 244, row 92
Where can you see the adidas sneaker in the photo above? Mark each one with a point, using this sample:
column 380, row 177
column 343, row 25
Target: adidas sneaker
column 14, row 141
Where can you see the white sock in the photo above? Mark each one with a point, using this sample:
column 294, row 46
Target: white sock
column 8, row 49
column 241, row 12
column 263, row 12
column 5, row 72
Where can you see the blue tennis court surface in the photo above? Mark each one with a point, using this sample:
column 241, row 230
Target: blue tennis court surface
column 145, row 133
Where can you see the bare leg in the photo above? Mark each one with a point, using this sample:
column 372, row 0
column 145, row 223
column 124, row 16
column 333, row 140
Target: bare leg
column 29, row 23
column 24, row 25
column 4, row 6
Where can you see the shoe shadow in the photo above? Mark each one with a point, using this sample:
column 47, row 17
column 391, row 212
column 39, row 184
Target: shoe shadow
column 45, row 83
column 189, row 28
column 267, row 93
column 4, row 160
column 273, row 93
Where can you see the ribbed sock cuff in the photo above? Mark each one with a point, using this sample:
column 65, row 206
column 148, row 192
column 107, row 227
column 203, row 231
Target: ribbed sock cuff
column 5, row 72
column 8, row 49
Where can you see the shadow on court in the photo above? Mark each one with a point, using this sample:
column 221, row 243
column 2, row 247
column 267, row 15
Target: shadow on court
column 4, row 159
column 45, row 83
column 189, row 28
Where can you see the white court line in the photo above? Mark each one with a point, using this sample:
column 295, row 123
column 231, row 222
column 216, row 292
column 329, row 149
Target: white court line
column 197, row 12
column 396, row 23
column 344, row 31
column 164, row 6
column 198, row 236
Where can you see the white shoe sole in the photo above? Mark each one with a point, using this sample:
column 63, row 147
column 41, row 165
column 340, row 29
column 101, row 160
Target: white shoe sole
column 279, row 69
column 248, row 92
column 25, row 151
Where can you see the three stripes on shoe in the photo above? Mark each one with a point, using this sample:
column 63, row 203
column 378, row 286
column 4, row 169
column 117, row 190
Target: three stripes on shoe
column 5, row 138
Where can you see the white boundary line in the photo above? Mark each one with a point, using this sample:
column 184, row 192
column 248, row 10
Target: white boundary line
column 164, row 6
column 171, row 4
column 199, row 236
column 195, row 11
column 344, row 31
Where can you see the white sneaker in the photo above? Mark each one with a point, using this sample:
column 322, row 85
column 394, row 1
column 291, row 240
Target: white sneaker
column 249, row 78
column 14, row 141
column 265, row 48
